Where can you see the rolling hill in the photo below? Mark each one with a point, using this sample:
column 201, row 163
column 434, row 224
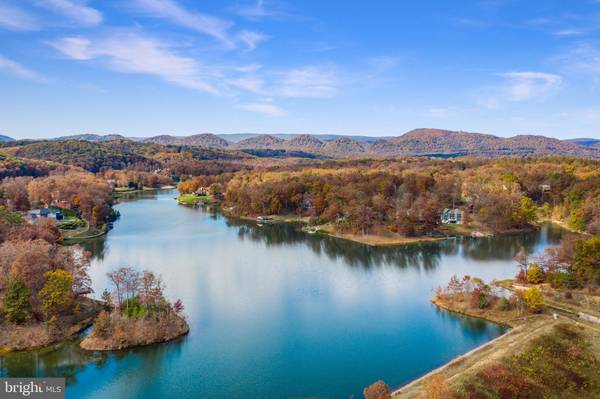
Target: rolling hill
column 94, row 138
column 584, row 141
column 419, row 142
column 263, row 141
column 203, row 139
column 117, row 154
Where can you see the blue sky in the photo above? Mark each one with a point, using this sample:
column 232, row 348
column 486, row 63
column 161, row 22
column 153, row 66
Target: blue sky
column 148, row 67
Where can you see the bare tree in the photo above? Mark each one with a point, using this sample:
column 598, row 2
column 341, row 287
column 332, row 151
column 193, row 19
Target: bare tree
column 126, row 282
column 151, row 289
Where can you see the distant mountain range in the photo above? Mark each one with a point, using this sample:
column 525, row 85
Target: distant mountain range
column 422, row 142
column 432, row 142
column 586, row 142
column 5, row 138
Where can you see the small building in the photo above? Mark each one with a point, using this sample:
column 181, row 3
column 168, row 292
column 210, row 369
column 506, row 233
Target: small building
column 545, row 188
column 202, row 191
column 452, row 216
column 61, row 204
column 44, row 213
column 263, row 218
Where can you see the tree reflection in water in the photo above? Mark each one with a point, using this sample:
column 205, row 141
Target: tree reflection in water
column 426, row 255
column 67, row 359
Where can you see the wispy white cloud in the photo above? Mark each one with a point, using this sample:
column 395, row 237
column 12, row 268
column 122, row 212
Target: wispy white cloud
column 266, row 108
column 253, row 11
column 76, row 10
column 247, row 68
column 251, row 39
column 384, row 63
column 14, row 68
column 582, row 58
column 135, row 53
column 206, row 24
column 308, row 82
column 251, row 83
column 522, row 86
column 14, row 18
column 569, row 32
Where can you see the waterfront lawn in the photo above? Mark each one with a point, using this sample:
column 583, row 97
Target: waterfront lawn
column 192, row 199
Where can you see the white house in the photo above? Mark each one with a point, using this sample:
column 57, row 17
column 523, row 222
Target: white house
column 452, row 216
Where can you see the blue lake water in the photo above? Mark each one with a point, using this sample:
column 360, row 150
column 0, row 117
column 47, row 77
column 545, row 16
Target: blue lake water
column 277, row 313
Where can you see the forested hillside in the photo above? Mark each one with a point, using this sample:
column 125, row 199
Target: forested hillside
column 118, row 154
column 407, row 196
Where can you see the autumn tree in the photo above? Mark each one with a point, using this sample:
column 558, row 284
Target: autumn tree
column 586, row 261
column 526, row 213
column 102, row 324
column 377, row 390
column 534, row 297
column 15, row 191
column 56, row 296
column 151, row 289
column 535, row 274
column 178, row 307
column 126, row 283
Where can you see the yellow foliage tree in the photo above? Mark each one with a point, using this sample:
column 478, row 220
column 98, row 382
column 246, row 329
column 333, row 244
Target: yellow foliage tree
column 57, row 293
column 535, row 274
column 534, row 298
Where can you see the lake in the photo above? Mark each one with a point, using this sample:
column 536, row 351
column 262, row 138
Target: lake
column 275, row 312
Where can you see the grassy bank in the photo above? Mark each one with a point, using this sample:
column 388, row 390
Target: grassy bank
column 540, row 357
column 192, row 199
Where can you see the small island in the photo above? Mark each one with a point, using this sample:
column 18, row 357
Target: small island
column 136, row 313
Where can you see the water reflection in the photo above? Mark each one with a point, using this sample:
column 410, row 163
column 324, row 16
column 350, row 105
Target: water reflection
column 426, row 255
column 275, row 312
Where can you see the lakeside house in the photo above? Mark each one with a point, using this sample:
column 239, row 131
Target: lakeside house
column 43, row 213
column 61, row 204
column 202, row 192
column 452, row 216
column 263, row 218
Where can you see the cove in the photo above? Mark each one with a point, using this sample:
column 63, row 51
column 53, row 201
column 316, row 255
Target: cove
column 277, row 313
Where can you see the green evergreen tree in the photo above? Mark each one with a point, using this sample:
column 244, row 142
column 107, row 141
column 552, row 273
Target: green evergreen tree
column 17, row 307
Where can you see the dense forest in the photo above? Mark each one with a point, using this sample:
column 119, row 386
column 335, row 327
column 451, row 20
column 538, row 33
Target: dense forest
column 118, row 154
column 12, row 167
column 407, row 196
column 88, row 196
column 42, row 283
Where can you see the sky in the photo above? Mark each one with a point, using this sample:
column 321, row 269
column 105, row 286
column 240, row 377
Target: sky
column 180, row 67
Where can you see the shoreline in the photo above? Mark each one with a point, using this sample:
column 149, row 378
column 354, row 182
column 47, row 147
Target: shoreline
column 481, row 354
column 37, row 331
column 372, row 240
column 379, row 240
column 93, row 343
column 522, row 330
